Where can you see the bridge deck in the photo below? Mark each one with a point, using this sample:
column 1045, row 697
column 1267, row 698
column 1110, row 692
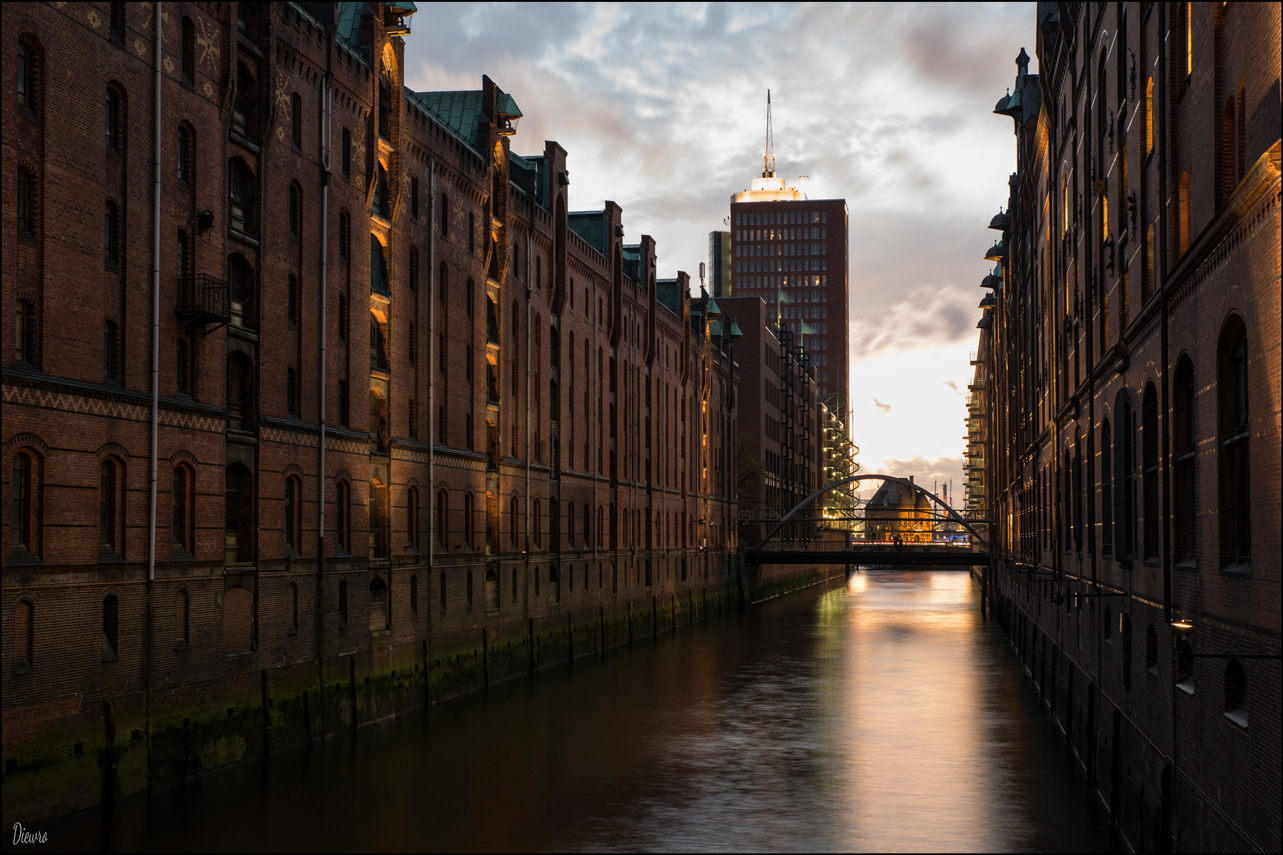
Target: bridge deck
column 906, row 558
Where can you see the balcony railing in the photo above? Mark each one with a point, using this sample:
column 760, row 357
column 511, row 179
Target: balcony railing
column 204, row 300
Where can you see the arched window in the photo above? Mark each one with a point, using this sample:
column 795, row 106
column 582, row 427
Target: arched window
column 492, row 591
column 1149, row 464
column 1236, row 692
column 25, row 531
column 110, row 627
column 238, row 501
column 1151, row 650
column 109, row 484
column 1233, row 429
column 1185, row 665
column 115, row 121
column 189, row 50
column 240, row 196
column 296, row 119
column 1184, row 447
column 183, row 520
column 378, row 604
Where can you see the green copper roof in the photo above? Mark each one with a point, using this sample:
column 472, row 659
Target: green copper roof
column 459, row 111
column 592, row 227
column 506, row 106
column 349, row 24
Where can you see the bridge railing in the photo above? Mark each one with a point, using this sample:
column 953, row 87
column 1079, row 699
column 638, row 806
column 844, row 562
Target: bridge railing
column 830, row 545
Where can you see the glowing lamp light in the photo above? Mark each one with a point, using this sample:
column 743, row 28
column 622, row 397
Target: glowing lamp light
column 1182, row 627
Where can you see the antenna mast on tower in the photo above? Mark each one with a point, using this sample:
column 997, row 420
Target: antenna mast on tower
column 768, row 159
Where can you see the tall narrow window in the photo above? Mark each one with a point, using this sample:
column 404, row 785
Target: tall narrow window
column 378, row 267
column 343, row 602
column 110, row 627
column 244, row 107
column 1236, row 692
column 189, row 50
column 24, row 340
column 291, row 301
column 114, row 136
column 1106, row 490
column 380, row 206
column 293, row 516
column 186, row 156
column 342, row 515
column 1149, row 117
column 378, row 604
column 240, row 282
column 385, row 105
column 443, row 593
column 412, row 277
column 1149, row 463
column 378, row 520
column 1233, row 434
column 345, row 235
column 467, row 520
column 23, row 504
column 445, row 215
column 28, row 65
column 111, row 234
column 26, row 202
column 347, row 153
column 442, row 535
column 118, row 20
column 342, row 317
column 240, row 196
column 107, row 497
column 414, row 196
column 181, row 520
column 1184, row 448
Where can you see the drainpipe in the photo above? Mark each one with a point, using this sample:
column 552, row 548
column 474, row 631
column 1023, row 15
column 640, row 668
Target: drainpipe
column 526, row 552
column 327, row 103
column 433, row 284
column 155, row 394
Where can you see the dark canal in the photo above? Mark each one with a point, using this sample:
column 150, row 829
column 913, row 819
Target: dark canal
column 880, row 716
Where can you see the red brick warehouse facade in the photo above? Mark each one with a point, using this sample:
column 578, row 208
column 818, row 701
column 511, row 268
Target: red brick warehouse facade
column 1130, row 366
column 407, row 402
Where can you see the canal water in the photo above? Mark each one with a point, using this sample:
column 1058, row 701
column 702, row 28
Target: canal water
column 882, row 715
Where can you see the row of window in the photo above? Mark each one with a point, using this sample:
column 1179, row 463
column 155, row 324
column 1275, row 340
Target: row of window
column 781, row 218
column 790, row 265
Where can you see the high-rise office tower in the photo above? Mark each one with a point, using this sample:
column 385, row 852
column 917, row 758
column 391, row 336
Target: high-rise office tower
column 719, row 264
column 792, row 252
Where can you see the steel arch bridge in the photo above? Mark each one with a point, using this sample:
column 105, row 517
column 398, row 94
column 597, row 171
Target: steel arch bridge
column 927, row 555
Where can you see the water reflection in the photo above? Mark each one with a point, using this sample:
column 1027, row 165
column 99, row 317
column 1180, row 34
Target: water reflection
column 880, row 715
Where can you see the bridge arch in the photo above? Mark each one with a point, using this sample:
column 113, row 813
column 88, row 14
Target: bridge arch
column 953, row 515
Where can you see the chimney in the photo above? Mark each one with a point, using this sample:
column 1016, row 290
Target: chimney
column 910, row 479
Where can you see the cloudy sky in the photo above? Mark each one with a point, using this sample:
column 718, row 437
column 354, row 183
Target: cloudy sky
column 662, row 110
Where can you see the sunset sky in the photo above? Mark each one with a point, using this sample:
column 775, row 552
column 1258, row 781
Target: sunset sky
column 662, row 109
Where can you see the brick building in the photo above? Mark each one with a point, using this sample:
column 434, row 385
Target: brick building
column 781, row 419
column 1130, row 408
column 387, row 396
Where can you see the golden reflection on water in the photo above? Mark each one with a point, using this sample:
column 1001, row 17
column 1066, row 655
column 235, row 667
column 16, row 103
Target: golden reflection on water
column 911, row 774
